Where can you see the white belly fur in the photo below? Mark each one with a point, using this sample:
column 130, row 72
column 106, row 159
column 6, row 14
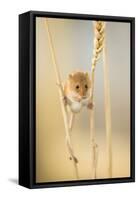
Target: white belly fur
column 76, row 106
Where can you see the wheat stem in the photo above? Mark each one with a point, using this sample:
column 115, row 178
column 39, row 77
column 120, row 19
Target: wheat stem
column 99, row 30
column 107, row 111
column 61, row 95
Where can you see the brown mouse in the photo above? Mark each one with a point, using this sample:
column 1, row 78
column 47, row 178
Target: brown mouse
column 77, row 89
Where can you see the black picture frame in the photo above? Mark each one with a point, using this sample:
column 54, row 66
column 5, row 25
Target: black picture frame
column 27, row 98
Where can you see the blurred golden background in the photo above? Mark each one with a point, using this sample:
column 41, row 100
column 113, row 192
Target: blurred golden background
column 73, row 43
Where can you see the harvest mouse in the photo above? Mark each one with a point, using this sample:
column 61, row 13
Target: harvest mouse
column 77, row 91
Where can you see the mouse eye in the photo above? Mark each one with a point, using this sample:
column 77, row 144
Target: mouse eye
column 77, row 87
column 86, row 86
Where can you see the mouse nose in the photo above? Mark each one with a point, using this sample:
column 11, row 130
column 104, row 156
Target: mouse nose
column 82, row 93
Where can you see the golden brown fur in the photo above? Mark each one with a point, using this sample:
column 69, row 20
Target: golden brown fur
column 77, row 85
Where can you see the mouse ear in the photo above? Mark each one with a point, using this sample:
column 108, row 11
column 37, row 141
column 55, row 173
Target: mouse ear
column 88, row 78
column 86, row 74
column 70, row 76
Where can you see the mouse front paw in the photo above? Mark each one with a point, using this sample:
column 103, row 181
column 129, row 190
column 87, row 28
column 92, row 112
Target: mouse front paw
column 90, row 105
column 65, row 100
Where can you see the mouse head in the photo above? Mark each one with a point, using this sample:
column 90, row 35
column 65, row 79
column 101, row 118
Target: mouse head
column 80, row 85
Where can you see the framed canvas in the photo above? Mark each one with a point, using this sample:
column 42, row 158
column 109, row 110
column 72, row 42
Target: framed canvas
column 76, row 99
